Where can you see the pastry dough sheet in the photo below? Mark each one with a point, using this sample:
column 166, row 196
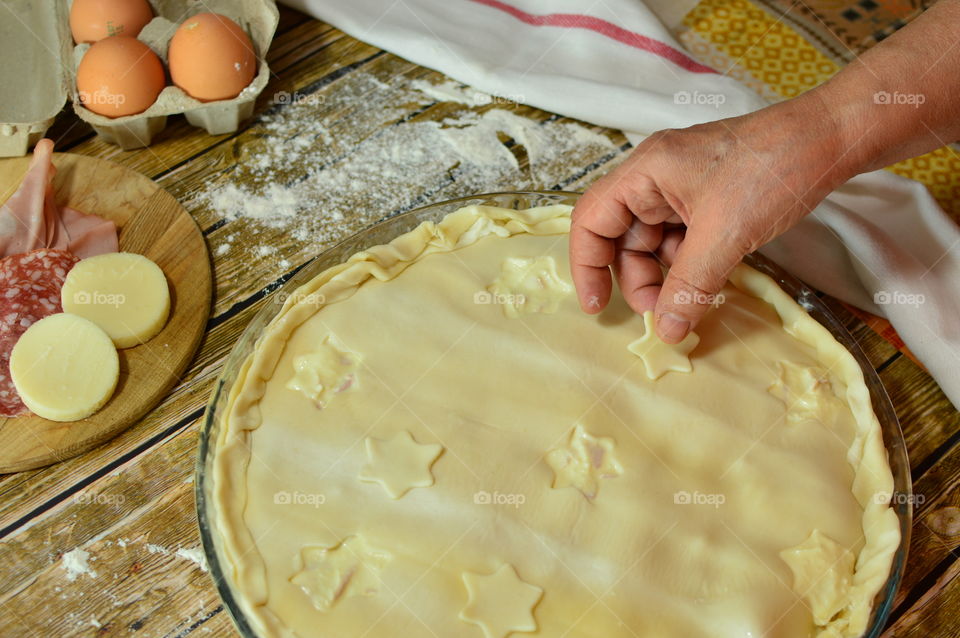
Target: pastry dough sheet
column 715, row 481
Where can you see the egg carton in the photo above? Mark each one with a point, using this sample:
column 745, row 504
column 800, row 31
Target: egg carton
column 40, row 70
column 34, row 41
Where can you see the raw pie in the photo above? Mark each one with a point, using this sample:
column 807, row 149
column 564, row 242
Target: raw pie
column 431, row 439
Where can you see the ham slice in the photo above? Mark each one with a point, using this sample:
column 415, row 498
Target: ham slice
column 23, row 218
column 86, row 235
column 30, row 219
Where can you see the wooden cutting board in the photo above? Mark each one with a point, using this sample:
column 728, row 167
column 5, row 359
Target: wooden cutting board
column 150, row 222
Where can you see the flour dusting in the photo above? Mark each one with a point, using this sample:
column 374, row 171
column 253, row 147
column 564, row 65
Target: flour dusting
column 450, row 91
column 195, row 555
column 314, row 177
column 76, row 563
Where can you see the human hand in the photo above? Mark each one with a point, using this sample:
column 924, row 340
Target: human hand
column 698, row 200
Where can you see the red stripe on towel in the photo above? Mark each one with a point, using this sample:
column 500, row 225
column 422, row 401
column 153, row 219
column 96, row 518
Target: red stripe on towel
column 612, row 31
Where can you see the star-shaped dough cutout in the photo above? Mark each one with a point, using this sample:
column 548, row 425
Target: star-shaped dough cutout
column 528, row 285
column 822, row 574
column 582, row 461
column 330, row 574
column 400, row 464
column 328, row 371
column 660, row 357
column 804, row 390
column 500, row 603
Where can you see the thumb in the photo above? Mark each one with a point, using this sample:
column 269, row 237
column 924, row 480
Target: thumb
column 704, row 260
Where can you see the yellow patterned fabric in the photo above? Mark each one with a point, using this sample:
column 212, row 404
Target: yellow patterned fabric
column 940, row 171
column 752, row 45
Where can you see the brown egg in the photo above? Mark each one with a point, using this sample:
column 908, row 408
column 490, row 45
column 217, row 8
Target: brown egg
column 211, row 57
column 119, row 76
column 94, row 20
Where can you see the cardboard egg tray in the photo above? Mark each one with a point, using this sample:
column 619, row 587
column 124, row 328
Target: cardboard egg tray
column 40, row 67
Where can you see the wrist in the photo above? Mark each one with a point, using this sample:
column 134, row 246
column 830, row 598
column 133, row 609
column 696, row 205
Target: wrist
column 813, row 148
column 841, row 130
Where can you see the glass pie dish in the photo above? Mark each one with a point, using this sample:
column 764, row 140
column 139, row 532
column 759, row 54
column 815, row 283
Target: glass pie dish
column 386, row 230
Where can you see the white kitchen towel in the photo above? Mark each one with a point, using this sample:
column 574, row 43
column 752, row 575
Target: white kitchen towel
column 879, row 242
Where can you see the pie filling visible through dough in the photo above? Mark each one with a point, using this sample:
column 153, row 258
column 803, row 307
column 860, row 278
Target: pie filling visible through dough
column 431, row 439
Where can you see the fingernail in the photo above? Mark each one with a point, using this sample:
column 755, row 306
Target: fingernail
column 673, row 328
column 590, row 304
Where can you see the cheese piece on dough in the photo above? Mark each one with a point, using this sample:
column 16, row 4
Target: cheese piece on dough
column 126, row 294
column 64, row 367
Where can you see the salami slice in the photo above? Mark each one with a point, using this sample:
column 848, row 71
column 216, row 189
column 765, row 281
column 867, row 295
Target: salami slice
column 30, row 286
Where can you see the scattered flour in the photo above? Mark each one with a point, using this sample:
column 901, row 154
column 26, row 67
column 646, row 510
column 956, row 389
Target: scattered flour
column 76, row 563
column 314, row 179
column 450, row 91
column 196, row 555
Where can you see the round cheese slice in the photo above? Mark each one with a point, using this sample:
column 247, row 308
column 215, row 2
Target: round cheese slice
column 64, row 367
column 126, row 294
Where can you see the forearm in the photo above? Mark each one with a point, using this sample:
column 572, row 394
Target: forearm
column 898, row 100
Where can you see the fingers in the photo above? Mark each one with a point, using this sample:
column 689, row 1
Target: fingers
column 639, row 277
column 670, row 244
column 590, row 258
column 641, row 237
column 701, row 265
column 598, row 219
column 635, row 266
column 623, row 200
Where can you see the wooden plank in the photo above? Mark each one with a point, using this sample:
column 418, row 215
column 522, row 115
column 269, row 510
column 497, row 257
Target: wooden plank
column 44, row 489
column 936, row 531
column 132, row 523
column 935, row 614
column 877, row 349
column 290, row 18
column 303, row 40
column 927, row 417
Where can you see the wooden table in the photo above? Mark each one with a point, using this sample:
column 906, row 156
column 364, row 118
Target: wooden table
column 129, row 503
